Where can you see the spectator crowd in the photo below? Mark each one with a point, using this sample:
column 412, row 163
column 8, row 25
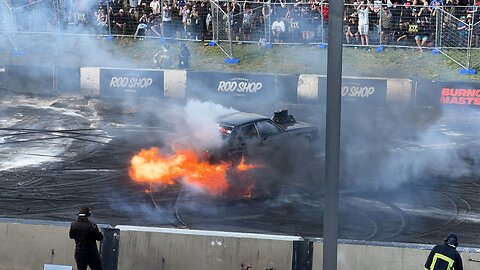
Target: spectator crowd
column 366, row 22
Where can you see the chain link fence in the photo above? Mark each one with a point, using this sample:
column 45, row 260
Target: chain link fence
column 456, row 35
column 452, row 31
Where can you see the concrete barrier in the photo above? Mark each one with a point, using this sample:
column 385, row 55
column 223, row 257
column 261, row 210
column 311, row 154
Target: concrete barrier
column 90, row 81
column 357, row 91
column 122, row 83
column 31, row 244
column 362, row 255
column 27, row 244
column 163, row 248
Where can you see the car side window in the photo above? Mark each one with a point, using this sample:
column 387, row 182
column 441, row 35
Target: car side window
column 248, row 132
column 267, row 128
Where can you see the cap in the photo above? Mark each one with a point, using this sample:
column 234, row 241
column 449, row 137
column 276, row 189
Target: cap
column 452, row 239
column 121, row 10
column 84, row 212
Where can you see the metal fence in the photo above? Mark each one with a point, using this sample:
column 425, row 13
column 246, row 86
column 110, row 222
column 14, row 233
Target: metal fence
column 453, row 31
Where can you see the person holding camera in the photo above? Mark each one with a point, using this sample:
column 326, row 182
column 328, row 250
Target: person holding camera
column 86, row 234
column 363, row 10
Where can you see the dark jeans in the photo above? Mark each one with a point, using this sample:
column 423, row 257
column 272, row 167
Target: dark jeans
column 93, row 261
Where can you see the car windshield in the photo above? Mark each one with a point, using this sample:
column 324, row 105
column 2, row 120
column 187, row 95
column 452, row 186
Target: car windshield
column 225, row 131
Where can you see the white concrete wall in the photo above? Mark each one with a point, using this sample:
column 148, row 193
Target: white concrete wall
column 399, row 91
column 370, row 257
column 155, row 248
column 30, row 246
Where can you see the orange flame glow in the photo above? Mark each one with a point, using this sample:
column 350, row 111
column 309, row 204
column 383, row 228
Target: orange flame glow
column 150, row 166
column 245, row 167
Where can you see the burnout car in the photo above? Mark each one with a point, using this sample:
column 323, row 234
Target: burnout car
column 254, row 136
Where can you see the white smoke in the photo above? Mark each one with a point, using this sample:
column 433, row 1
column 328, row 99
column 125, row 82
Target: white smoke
column 195, row 123
column 432, row 151
column 201, row 119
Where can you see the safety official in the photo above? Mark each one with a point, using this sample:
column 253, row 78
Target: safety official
column 445, row 256
column 86, row 234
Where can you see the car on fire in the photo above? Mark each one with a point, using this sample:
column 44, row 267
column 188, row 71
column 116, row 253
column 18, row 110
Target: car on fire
column 254, row 136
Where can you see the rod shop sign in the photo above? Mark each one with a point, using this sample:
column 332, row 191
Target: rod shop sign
column 371, row 92
column 223, row 85
column 120, row 82
column 240, row 86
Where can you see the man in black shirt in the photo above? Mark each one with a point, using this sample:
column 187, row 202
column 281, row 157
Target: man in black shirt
column 445, row 256
column 86, row 234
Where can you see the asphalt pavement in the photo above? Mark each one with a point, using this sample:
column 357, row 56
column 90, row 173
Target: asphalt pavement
column 407, row 176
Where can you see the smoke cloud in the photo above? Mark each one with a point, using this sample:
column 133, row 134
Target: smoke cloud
column 381, row 149
column 380, row 154
column 200, row 117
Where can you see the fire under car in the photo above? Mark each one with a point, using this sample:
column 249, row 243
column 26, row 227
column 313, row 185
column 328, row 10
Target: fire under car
column 260, row 138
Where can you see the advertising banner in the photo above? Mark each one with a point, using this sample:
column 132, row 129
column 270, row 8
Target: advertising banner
column 28, row 79
column 358, row 91
column 236, row 88
column 131, row 82
column 437, row 93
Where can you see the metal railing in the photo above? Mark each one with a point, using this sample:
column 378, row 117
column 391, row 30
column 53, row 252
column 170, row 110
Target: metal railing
column 453, row 31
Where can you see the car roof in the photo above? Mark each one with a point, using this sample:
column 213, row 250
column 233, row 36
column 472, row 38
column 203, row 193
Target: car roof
column 240, row 118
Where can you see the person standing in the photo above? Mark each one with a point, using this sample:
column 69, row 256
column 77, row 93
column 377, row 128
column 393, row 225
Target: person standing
column 86, row 234
column 163, row 58
column 278, row 29
column 445, row 256
column 184, row 57
column 363, row 23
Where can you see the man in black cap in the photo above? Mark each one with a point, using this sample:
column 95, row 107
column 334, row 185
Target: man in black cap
column 86, row 234
column 445, row 256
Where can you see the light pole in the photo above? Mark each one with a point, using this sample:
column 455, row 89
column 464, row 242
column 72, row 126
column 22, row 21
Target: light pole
column 332, row 138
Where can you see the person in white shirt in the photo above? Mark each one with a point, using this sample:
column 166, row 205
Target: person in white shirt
column 363, row 9
column 278, row 28
column 155, row 6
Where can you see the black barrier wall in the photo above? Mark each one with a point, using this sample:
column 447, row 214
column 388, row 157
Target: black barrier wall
column 358, row 91
column 302, row 255
column 125, row 82
column 40, row 80
column 231, row 88
column 109, row 248
column 439, row 93
column 29, row 79
column 234, row 88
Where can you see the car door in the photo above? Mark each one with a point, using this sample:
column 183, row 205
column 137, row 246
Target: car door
column 247, row 139
column 272, row 137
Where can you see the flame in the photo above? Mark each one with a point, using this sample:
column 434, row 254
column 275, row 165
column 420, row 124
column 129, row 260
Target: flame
column 150, row 166
column 245, row 167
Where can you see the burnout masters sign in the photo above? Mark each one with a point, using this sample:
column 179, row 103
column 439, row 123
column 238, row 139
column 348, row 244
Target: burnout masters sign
column 460, row 96
column 435, row 93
